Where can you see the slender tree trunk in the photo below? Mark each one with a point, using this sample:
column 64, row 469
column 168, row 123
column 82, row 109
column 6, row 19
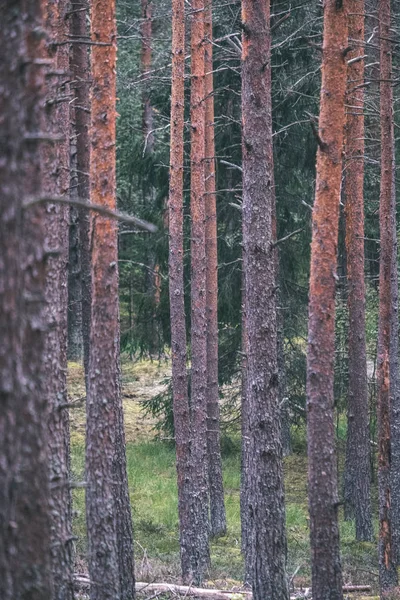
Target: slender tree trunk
column 244, row 466
column 266, row 536
column 25, row 553
column 56, row 159
column 357, row 469
column 146, row 33
column 387, row 562
column 80, row 86
column 176, row 284
column 109, row 521
column 217, row 506
column 322, row 466
column 75, row 346
column 198, row 407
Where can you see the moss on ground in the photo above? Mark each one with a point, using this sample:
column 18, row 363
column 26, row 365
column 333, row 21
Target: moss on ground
column 152, row 477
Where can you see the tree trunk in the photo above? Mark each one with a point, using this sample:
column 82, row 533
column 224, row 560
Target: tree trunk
column 322, row 466
column 176, row 284
column 24, row 491
column 56, row 159
column 387, row 562
column 244, row 465
column 199, row 550
column 146, row 34
column 75, row 346
column 357, row 490
column 80, row 85
column 266, row 536
column 109, row 521
column 217, row 506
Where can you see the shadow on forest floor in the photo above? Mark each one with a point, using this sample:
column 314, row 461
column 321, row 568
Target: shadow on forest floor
column 152, row 477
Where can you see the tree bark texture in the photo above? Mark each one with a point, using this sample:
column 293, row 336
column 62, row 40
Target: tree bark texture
column 266, row 537
column 387, row 563
column 244, row 465
column 109, row 521
column 80, row 85
column 199, row 550
column 75, row 347
column 357, row 484
column 322, row 465
column 217, row 506
column 25, row 554
column 56, row 173
column 176, row 284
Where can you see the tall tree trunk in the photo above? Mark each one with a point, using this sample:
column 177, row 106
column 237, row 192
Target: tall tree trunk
column 109, row 521
column 387, row 566
column 322, row 466
column 24, row 491
column 146, row 33
column 217, row 506
column 266, row 536
column 75, row 346
column 198, row 407
column 176, row 284
column 80, row 85
column 56, row 158
column 357, row 469
column 244, row 465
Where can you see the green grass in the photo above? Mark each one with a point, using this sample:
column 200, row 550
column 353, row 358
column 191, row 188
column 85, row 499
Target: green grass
column 152, row 481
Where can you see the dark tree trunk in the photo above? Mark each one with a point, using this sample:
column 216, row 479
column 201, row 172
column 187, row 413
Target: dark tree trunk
column 387, row 561
column 56, row 160
column 322, row 465
column 176, row 284
column 217, row 506
column 80, row 86
column 357, row 479
column 25, row 552
column 75, row 347
column 199, row 550
column 265, row 546
column 109, row 521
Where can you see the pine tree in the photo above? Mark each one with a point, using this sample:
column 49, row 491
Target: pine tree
column 217, row 506
column 109, row 521
column 55, row 158
column 357, row 471
column 387, row 560
column 322, row 466
column 265, row 547
column 198, row 406
column 24, row 491
column 176, row 285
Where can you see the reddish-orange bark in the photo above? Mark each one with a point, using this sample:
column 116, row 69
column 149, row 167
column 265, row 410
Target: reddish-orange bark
column 176, row 284
column 387, row 566
column 109, row 521
column 357, row 473
column 217, row 506
column 198, row 434
column 322, row 466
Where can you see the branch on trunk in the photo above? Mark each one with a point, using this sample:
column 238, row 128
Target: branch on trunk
column 323, row 146
column 287, row 237
column 102, row 210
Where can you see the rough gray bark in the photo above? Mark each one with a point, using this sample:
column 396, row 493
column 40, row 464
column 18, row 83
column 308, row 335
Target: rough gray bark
column 80, row 86
column 24, row 490
column 75, row 347
column 265, row 546
column 176, row 285
column 322, row 465
column 357, row 484
column 55, row 158
column 387, row 561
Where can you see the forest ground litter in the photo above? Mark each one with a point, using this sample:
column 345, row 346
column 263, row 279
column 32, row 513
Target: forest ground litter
column 152, row 478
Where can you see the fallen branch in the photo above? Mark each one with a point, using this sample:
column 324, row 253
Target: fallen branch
column 212, row 594
column 102, row 210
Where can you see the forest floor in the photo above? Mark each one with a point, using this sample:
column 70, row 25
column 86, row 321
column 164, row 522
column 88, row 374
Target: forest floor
column 152, row 478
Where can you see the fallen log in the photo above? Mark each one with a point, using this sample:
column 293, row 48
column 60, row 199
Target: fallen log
column 212, row 594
